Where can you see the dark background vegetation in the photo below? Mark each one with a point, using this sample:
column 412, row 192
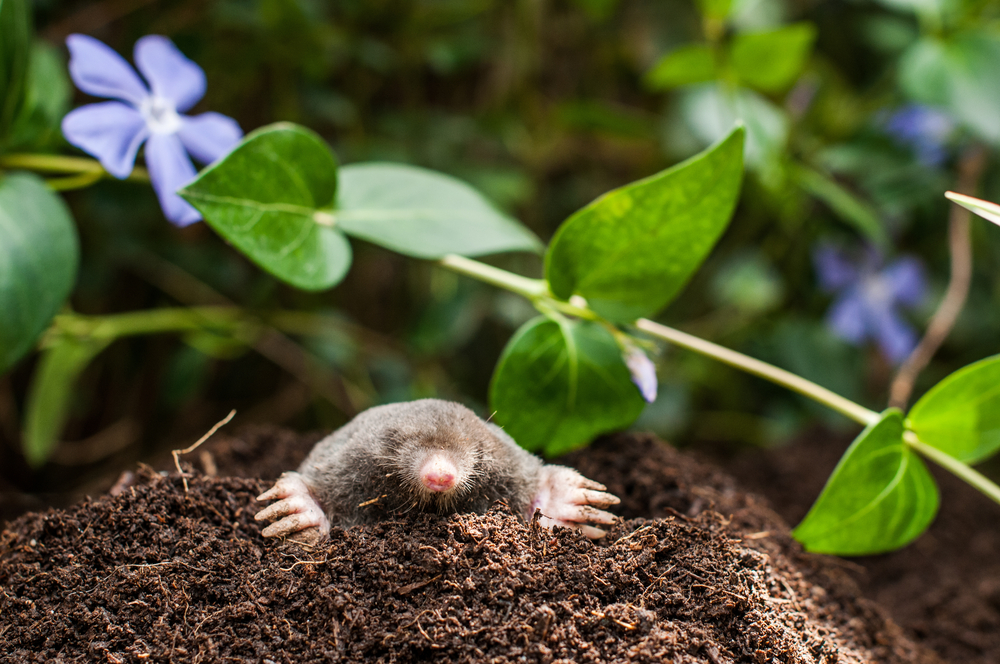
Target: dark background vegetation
column 542, row 105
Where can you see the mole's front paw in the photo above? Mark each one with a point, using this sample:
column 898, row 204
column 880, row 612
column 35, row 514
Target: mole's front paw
column 299, row 515
column 567, row 498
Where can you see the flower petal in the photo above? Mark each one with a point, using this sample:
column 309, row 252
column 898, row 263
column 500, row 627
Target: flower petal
column 98, row 70
column 834, row 270
column 209, row 136
column 171, row 75
column 895, row 337
column 643, row 373
column 170, row 169
column 905, row 278
column 110, row 130
column 848, row 317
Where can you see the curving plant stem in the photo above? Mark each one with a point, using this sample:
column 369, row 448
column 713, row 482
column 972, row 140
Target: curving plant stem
column 970, row 169
column 536, row 290
column 85, row 172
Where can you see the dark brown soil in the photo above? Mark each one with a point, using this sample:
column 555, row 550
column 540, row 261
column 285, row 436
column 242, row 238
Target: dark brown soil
column 944, row 589
column 157, row 574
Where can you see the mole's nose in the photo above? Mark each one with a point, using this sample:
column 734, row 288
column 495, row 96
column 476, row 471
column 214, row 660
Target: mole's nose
column 438, row 473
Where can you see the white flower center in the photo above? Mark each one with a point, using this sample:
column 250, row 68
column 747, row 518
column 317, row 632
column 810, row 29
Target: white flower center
column 878, row 290
column 160, row 115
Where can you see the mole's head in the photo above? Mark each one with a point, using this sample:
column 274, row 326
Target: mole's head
column 438, row 455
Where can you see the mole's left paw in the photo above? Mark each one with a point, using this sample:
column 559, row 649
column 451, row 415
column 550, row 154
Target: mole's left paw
column 299, row 515
column 567, row 498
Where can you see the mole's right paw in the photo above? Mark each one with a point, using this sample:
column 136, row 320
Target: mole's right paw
column 299, row 515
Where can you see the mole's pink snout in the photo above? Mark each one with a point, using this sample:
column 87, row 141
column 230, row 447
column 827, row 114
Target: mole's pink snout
column 438, row 473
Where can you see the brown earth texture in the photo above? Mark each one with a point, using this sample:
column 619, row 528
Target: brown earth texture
column 697, row 571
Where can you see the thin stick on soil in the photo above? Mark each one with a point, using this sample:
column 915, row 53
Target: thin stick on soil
column 177, row 453
column 970, row 169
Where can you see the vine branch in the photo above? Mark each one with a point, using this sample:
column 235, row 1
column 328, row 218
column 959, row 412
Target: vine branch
column 970, row 169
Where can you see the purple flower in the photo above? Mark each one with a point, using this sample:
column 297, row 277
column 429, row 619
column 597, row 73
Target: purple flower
column 868, row 299
column 924, row 129
column 112, row 131
column 643, row 372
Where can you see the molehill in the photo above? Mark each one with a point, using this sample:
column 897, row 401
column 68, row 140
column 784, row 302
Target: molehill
column 698, row 572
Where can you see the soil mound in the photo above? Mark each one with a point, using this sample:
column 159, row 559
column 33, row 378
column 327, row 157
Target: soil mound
column 157, row 574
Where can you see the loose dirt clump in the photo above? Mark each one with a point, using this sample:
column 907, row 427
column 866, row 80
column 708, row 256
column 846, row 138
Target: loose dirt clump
column 157, row 574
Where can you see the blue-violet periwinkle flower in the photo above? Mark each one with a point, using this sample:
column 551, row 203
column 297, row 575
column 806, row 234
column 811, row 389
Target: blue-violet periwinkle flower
column 113, row 131
column 868, row 297
column 924, row 129
column 643, row 372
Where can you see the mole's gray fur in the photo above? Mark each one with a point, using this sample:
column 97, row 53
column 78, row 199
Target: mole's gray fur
column 369, row 468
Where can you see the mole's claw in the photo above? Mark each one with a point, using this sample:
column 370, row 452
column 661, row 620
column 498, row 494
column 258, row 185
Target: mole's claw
column 282, row 508
column 591, row 532
column 587, row 483
column 597, row 498
column 288, row 484
column 567, row 498
column 588, row 514
column 289, row 525
column 297, row 511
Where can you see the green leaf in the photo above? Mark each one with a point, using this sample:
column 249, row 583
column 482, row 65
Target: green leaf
column 630, row 251
column 879, row 497
column 985, row 209
column 46, row 100
column 557, row 385
column 272, row 197
column 771, row 61
column 424, row 214
column 958, row 74
column 694, row 63
column 845, row 204
column 39, row 252
column 15, row 44
column 961, row 415
column 50, row 392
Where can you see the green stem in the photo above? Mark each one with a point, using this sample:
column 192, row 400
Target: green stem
column 51, row 163
column 537, row 291
column 153, row 321
column 764, row 370
column 532, row 289
column 954, row 466
column 73, row 181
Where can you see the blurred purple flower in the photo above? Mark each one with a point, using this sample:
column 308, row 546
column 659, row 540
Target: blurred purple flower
column 643, row 372
column 924, row 129
column 112, row 131
column 869, row 296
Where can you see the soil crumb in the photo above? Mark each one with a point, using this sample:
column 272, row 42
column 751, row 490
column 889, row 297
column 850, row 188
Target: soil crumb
column 155, row 574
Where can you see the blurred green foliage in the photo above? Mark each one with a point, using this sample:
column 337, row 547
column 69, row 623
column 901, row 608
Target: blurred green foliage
column 542, row 105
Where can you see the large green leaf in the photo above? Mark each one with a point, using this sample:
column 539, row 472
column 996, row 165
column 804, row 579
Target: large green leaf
column 557, row 385
column 630, row 251
column 879, row 497
column 51, row 391
column 961, row 415
column 771, row 61
column 39, row 252
column 693, row 63
column 421, row 213
column 272, row 197
column 959, row 74
column 15, row 45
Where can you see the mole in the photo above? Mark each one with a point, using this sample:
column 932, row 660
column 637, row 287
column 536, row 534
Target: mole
column 430, row 456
